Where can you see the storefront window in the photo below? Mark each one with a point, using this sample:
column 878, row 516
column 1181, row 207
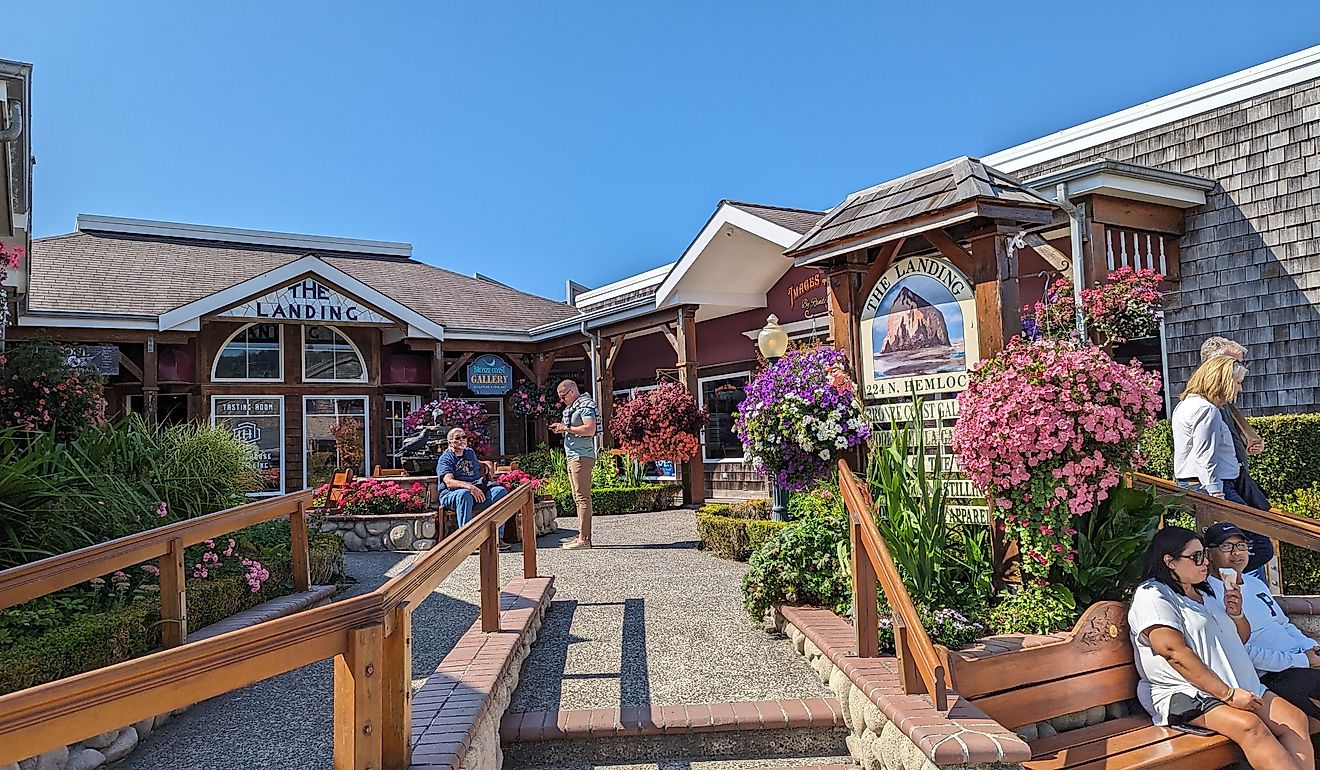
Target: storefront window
column 334, row 437
column 722, row 395
column 253, row 353
column 396, row 409
column 328, row 356
column 258, row 420
column 494, row 422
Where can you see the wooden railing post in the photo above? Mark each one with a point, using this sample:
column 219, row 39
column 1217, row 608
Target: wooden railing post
column 529, row 537
column 490, row 579
column 359, row 704
column 173, row 596
column 909, row 676
column 397, row 728
column 865, row 611
column 302, row 568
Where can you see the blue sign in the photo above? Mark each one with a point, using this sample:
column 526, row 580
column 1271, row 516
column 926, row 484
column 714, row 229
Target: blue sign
column 489, row 375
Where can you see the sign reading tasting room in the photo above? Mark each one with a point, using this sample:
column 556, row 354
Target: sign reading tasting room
column 490, row 375
column 307, row 300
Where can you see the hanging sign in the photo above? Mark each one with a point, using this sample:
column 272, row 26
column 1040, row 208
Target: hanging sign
column 307, row 300
column 103, row 358
column 918, row 330
column 489, row 375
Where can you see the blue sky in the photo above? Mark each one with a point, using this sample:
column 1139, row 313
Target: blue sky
column 535, row 142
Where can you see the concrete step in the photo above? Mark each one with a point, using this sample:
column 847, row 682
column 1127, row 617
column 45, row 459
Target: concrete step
column 766, row 731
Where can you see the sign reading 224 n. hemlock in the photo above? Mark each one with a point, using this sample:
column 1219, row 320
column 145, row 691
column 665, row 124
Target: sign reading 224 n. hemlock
column 918, row 330
column 307, row 300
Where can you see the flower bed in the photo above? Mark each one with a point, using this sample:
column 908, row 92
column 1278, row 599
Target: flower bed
column 375, row 497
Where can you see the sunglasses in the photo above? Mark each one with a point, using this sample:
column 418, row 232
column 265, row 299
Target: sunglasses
column 1197, row 557
column 1234, row 547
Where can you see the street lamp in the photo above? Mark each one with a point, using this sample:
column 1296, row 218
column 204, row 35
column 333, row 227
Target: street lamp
column 773, row 343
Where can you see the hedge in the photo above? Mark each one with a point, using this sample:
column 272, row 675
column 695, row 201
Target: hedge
column 1290, row 461
column 96, row 640
column 732, row 537
column 743, row 509
column 642, row 499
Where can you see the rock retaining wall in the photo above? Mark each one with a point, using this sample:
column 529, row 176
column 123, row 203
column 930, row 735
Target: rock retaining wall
column 408, row 531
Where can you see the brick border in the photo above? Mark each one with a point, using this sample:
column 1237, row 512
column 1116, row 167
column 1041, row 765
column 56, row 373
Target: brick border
column 680, row 719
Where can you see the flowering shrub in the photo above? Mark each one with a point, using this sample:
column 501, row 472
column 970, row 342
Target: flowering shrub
column 1122, row 309
column 1045, row 430
column 528, row 399
column 947, row 626
column 515, row 478
column 452, row 413
column 9, row 259
column 799, row 413
column 215, row 562
column 39, row 392
column 375, row 497
column 660, row 424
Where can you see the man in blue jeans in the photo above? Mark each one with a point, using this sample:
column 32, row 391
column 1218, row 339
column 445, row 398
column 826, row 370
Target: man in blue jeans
column 465, row 490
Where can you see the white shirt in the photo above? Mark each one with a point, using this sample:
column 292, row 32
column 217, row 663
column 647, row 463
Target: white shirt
column 1203, row 444
column 1209, row 633
column 1275, row 643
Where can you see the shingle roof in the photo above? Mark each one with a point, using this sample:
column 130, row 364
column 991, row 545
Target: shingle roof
column 85, row 272
column 797, row 220
column 923, row 192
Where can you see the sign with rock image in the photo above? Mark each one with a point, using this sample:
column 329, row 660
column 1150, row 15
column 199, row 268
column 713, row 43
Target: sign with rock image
column 918, row 330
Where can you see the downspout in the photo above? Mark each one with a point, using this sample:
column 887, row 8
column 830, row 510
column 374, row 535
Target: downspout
column 14, row 128
column 1078, row 274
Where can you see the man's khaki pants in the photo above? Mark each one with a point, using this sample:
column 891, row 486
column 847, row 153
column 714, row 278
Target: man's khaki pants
column 579, row 478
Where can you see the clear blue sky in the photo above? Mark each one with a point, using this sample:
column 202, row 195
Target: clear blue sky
column 535, row 142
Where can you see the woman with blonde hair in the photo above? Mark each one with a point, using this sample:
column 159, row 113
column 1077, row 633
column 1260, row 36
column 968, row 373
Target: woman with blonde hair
column 1203, row 456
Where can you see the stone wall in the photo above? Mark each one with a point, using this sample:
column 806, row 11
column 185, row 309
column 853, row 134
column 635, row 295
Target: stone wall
column 408, row 531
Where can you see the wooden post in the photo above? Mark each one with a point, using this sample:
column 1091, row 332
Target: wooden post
column 490, row 579
column 604, row 387
column 544, row 362
column 438, row 372
column 302, row 568
column 173, row 596
column 845, row 315
column 694, row 470
column 150, row 386
column 865, row 610
column 908, row 675
column 359, row 704
column 529, row 537
column 396, row 737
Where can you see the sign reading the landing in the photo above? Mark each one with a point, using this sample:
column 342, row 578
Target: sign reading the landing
column 490, row 375
column 918, row 330
column 307, row 300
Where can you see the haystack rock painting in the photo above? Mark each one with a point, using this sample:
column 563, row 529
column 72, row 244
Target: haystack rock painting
column 918, row 329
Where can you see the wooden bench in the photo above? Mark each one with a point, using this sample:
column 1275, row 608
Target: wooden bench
column 1092, row 666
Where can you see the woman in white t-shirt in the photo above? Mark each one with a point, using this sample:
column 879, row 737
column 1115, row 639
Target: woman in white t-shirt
column 1195, row 672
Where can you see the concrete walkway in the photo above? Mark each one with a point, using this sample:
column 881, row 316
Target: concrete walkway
column 642, row 618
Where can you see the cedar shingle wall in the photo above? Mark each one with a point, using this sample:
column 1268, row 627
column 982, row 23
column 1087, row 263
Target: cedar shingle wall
column 1251, row 255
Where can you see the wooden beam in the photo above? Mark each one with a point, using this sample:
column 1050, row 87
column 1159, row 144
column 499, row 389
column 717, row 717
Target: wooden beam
column 458, row 364
column 150, row 384
column 91, row 336
column 1017, row 214
column 396, row 664
column 1137, row 215
column 359, row 701
column 884, row 257
column 644, row 323
column 668, row 331
column 133, row 369
column 544, row 363
column 437, row 369
column 173, row 596
column 489, row 346
column 998, row 305
column 604, row 389
column 694, row 470
column 522, row 366
column 909, row 227
column 844, row 317
column 951, row 250
column 564, row 343
column 1057, row 259
column 616, row 344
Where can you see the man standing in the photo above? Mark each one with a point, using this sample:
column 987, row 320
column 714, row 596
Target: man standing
column 1246, row 442
column 466, row 491
column 579, row 432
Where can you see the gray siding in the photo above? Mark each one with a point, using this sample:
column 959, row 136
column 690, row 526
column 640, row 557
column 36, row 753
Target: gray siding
column 1251, row 255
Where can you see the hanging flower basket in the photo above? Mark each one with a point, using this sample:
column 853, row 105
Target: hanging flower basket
column 1124, row 308
column 660, row 424
column 800, row 414
column 529, row 400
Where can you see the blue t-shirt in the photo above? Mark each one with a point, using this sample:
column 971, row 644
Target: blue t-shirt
column 465, row 468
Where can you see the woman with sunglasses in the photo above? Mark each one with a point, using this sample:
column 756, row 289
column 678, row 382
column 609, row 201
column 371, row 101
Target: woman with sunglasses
column 1287, row 660
column 1195, row 672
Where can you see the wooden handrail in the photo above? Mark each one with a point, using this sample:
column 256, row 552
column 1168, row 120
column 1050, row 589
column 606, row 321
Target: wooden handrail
column 1275, row 523
column 913, row 644
column 366, row 635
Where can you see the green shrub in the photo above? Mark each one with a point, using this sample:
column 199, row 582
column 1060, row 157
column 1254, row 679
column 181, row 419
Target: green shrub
column 750, row 509
column 43, row 394
column 1111, row 541
column 1289, row 462
column 1301, row 566
column 1036, row 609
column 799, row 564
column 825, row 498
column 733, row 538
column 539, row 462
column 610, row 500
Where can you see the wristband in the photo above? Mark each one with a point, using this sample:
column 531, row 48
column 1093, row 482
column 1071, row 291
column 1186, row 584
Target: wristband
column 1228, row 696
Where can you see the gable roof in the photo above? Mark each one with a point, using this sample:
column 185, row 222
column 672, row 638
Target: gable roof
column 928, row 191
column 115, row 274
column 797, row 220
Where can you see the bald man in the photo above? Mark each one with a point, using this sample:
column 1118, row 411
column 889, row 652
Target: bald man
column 579, row 432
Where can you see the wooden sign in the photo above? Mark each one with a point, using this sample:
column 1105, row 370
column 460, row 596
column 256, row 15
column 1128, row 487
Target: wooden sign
column 307, row 300
column 882, row 415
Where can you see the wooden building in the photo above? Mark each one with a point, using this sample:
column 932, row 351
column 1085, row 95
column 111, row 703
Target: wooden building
column 15, row 177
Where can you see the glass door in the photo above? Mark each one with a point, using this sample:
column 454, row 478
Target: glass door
column 396, row 409
column 335, row 434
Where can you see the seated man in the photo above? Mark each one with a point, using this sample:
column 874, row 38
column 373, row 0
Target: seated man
column 465, row 491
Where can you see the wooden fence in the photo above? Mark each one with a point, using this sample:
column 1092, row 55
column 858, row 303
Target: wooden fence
column 368, row 636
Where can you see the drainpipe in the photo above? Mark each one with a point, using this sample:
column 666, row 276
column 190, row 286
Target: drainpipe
column 14, row 128
column 1078, row 274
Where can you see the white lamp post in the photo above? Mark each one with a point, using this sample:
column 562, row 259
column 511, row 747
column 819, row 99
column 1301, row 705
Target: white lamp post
column 773, row 343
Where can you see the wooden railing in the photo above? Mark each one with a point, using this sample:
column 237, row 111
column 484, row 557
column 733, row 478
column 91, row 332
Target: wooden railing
column 921, row 666
column 1280, row 525
column 368, row 636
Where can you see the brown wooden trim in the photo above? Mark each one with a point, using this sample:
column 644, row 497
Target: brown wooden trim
column 951, row 251
column 908, row 227
column 108, row 336
column 522, row 366
column 644, row 323
column 1056, row 258
column 458, row 364
column 1017, row 214
column 493, row 346
column 1137, row 215
column 885, row 257
column 616, row 344
column 132, row 368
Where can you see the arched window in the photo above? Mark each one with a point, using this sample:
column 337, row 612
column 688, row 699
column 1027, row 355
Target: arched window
column 253, row 353
column 329, row 356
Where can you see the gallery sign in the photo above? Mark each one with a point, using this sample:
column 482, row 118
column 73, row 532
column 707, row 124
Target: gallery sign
column 307, row 300
column 918, row 330
column 490, row 375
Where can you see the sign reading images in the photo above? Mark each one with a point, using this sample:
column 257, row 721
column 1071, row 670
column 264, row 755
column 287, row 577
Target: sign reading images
column 489, row 375
column 918, row 330
column 307, row 300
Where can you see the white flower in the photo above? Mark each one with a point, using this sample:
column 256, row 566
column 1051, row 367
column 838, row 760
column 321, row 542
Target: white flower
column 824, row 454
